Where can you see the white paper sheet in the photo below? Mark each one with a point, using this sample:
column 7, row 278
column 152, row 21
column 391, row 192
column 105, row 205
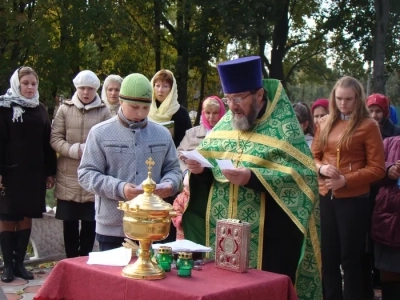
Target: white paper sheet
column 184, row 245
column 195, row 155
column 115, row 257
column 225, row 164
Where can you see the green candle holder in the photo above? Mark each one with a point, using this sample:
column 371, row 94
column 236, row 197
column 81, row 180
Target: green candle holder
column 164, row 258
column 184, row 264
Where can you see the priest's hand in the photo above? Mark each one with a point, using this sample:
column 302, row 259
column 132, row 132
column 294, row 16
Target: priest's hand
column 164, row 191
column 130, row 191
column 239, row 176
column 194, row 166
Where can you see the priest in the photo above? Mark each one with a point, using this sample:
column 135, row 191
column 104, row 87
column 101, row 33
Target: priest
column 273, row 185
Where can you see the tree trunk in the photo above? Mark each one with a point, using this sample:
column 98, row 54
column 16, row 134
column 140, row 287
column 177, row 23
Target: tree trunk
column 382, row 21
column 280, row 35
column 261, row 44
column 182, row 47
column 157, row 41
column 202, row 95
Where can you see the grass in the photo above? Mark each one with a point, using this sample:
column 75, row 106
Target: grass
column 50, row 200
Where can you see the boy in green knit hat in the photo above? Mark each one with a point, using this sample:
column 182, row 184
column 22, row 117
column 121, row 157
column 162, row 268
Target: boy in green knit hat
column 113, row 163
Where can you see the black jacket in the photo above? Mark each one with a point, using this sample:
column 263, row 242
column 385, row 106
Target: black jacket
column 389, row 129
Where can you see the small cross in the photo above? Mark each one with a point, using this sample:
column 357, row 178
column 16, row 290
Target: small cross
column 150, row 163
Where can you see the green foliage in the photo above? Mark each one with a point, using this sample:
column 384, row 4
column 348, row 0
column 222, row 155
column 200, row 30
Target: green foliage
column 50, row 200
column 308, row 92
column 393, row 88
column 300, row 41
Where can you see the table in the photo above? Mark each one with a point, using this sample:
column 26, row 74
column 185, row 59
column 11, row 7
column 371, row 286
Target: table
column 74, row 279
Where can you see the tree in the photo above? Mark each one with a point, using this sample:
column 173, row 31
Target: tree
column 17, row 24
column 381, row 28
column 284, row 28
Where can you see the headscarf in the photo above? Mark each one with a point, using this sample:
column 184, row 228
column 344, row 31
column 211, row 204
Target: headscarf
column 111, row 78
column 168, row 107
column 204, row 120
column 320, row 102
column 13, row 96
column 382, row 101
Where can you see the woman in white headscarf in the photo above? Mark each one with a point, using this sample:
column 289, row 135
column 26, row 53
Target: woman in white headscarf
column 165, row 106
column 27, row 167
column 110, row 92
column 70, row 129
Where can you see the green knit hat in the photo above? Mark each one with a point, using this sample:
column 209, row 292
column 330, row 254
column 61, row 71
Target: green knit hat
column 136, row 88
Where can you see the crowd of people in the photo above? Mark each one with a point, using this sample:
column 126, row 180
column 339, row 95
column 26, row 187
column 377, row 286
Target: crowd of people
column 318, row 184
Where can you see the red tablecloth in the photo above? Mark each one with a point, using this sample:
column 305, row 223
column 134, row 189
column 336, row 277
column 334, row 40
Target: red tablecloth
column 74, row 279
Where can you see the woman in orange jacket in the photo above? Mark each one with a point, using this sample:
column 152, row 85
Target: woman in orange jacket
column 348, row 152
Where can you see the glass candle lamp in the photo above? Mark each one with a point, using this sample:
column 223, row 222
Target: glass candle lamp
column 184, row 264
column 164, row 258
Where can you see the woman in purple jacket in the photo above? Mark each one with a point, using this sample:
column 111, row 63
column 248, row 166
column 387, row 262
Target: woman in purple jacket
column 386, row 223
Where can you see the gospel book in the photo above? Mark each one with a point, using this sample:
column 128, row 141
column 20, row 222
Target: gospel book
column 232, row 245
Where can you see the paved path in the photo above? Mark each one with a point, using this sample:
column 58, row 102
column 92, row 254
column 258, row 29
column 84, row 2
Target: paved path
column 24, row 289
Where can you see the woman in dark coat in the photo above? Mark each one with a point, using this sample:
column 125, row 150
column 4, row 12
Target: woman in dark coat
column 386, row 223
column 27, row 167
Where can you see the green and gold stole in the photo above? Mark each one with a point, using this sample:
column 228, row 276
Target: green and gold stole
column 276, row 152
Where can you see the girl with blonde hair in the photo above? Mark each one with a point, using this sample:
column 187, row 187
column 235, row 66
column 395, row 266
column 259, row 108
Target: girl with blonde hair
column 348, row 152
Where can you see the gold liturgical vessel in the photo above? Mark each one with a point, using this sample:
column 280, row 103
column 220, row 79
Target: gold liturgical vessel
column 147, row 218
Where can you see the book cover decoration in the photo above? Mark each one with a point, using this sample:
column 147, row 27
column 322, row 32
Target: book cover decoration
column 170, row 125
column 232, row 245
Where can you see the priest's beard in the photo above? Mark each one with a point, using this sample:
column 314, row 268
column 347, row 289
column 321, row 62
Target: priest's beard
column 244, row 123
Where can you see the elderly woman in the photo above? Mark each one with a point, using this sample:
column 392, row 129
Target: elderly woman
column 110, row 92
column 70, row 129
column 27, row 167
column 212, row 111
column 165, row 106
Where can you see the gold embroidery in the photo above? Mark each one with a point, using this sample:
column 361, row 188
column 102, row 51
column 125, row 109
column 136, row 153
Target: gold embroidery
column 315, row 242
column 270, row 142
column 235, row 201
column 269, row 165
column 261, row 231
column 278, row 200
column 241, row 149
column 208, row 212
column 274, row 102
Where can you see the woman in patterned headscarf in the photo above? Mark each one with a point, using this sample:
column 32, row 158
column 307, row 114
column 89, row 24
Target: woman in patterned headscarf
column 27, row 167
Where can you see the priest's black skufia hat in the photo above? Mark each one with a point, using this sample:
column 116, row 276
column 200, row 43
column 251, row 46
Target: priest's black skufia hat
column 240, row 75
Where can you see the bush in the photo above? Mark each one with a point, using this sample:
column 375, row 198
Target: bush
column 50, row 200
